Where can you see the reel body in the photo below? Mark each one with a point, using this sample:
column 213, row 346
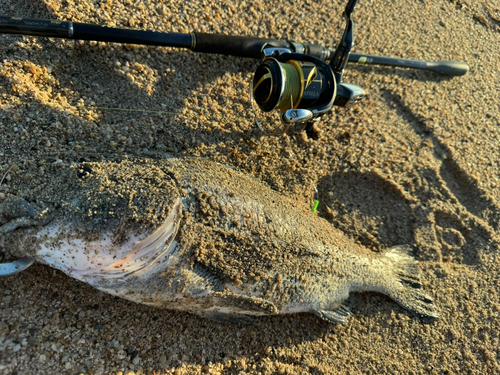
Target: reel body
column 301, row 87
column 292, row 81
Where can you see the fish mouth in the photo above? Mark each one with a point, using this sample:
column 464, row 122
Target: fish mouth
column 104, row 262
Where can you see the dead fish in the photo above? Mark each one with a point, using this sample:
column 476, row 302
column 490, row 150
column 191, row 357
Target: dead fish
column 193, row 235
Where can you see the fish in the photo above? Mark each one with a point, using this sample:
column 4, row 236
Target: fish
column 189, row 234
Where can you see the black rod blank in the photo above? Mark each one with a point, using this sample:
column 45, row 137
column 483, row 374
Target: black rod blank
column 202, row 42
column 28, row 26
column 83, row 31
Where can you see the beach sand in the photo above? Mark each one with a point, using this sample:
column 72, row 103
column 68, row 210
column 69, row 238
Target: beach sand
column 417, row 162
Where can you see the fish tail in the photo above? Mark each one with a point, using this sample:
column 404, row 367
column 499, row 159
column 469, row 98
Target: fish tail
column 403, row 283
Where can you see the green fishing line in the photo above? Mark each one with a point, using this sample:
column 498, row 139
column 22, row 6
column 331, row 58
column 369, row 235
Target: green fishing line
column 315, row 206
column 291, row 91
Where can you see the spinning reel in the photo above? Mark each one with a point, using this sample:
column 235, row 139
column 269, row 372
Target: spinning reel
column 301, row 86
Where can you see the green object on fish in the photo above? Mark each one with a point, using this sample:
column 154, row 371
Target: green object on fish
column 315, row 206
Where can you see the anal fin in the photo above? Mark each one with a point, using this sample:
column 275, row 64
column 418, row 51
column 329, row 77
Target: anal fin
column 340, row 314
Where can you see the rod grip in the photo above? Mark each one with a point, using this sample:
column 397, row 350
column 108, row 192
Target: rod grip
column 243, row 46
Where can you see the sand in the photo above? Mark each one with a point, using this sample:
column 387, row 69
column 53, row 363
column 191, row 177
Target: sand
column 417, row 162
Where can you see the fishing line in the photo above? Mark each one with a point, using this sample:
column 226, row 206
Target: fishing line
column 292, row 86
column 159, row 112
column 5, row 174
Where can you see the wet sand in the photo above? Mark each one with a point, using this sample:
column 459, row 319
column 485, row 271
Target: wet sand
column 417, row 162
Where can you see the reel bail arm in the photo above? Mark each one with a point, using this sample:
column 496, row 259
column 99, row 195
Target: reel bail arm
column 302, row 87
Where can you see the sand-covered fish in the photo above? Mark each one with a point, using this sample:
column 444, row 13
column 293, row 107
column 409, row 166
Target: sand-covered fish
column 193, row 235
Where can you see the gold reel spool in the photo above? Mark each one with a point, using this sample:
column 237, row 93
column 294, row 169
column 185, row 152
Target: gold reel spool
column 278, row 85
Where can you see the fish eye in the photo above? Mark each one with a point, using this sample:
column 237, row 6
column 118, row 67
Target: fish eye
column 83, row 172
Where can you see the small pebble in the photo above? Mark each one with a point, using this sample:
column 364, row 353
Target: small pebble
column 163, row 360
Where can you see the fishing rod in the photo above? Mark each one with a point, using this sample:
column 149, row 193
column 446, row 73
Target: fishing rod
column 294, row 78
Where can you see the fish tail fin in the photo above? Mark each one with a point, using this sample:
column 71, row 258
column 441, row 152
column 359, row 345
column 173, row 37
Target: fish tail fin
column 403, row 283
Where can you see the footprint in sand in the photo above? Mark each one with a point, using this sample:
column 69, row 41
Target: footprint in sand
column 444, row 213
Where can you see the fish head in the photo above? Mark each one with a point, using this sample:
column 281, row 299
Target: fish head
column 102, row 223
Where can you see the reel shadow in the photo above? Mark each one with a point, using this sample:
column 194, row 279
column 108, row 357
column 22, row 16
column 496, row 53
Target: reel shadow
column 464, row 219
